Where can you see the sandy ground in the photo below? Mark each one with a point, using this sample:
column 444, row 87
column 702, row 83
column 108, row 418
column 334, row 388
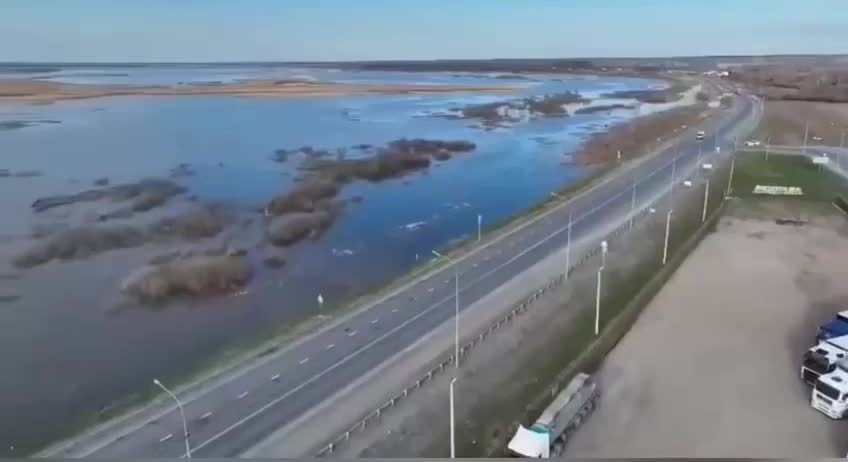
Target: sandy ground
column 784, row 122
column 711, row 367
column 25, row 91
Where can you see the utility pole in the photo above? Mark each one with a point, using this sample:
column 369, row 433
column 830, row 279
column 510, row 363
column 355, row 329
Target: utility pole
column 706, row 197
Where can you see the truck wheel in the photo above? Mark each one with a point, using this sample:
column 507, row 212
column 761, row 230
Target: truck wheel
column 556, row 451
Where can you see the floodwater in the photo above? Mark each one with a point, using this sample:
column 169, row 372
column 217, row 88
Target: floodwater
column 68, row 353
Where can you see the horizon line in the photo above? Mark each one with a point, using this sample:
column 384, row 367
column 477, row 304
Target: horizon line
column 358, row 61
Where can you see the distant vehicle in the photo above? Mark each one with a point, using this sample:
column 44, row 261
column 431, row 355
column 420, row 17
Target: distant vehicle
column 836, row 327
column 700, row 135
column 822, row 358
column 830, row 393
column 817, row 138
column 558, row 422
column 752, row 143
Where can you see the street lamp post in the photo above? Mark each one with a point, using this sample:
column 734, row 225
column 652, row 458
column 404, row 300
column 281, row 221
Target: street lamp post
column 182, row 415
column 768, row 146
column 700, row 146
column 604, row 247
column 806, row 132
column 730, row 179
column 673, row 169
column 452, row 421
column 456, row 307
column 598, row 287
column 632, row 203
column 568, row 249
column 667, row 229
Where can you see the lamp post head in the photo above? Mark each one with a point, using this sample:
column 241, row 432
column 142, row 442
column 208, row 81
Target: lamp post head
column 604, row 246
column 157, row 382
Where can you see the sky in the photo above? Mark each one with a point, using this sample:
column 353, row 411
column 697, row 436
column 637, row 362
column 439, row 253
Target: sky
column 337, row 30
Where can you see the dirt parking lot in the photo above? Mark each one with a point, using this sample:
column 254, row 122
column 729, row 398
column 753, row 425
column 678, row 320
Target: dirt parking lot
column 710, row 369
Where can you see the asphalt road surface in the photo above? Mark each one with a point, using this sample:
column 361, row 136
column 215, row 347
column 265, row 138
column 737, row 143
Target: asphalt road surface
column 230, row 417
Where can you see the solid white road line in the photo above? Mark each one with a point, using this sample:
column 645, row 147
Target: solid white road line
column 304, row 361
column 243, row 394
column 166, row 437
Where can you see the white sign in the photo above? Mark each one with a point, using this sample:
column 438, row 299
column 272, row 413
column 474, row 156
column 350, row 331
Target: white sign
column 821, row 160
column 707, row 166
column 778, row 190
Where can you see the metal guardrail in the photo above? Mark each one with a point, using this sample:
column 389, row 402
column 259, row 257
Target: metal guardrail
column 518, row 309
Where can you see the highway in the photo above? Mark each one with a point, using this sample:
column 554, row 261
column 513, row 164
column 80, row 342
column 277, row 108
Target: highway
column 231, row 415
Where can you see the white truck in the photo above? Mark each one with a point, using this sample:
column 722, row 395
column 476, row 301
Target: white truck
column 822, row 358
column 830, row 393
column 547, row 437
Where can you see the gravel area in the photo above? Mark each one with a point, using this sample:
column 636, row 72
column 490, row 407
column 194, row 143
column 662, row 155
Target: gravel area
column 710, row 369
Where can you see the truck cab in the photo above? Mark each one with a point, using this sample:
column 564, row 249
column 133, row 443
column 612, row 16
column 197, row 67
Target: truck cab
column 836, row 327
column 822, row 358
column 830, row 393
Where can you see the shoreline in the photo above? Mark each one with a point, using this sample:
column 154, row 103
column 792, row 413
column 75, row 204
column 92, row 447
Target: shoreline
column 228, row 361
column 40, row 92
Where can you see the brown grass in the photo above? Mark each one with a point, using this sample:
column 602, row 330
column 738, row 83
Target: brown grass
column 80, row 243
column 197, row 276
column 631, row 138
